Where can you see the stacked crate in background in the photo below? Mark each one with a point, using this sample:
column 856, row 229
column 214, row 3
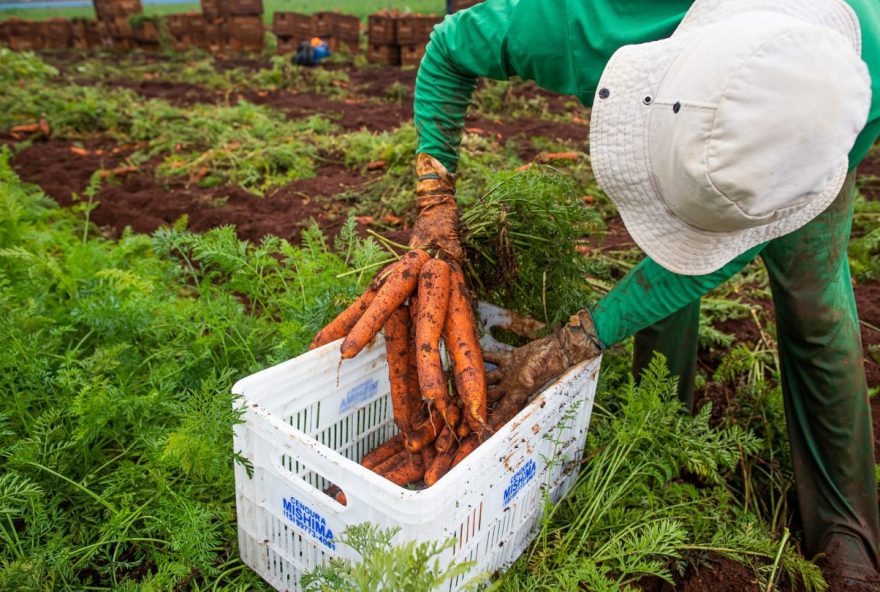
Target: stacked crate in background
column 186, row 30
column 413, row 33
column 22, row 35
column 244, row 25
column 146, row 32
column 342, row 32
column 57, row 33
column 399, row 39
column 382, row 45
column 86, row 34
column 291, row 29
column 213, row 25
column 114, row 21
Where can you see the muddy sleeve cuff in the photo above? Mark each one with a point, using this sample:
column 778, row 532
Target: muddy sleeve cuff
column 649, row 293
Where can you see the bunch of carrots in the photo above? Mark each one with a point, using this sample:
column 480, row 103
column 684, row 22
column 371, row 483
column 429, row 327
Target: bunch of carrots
column 418, row 301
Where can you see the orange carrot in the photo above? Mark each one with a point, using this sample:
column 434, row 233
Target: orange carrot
column 433, row 301
column 343, row 323
column 425, row 433
column 463, row 430
column 337, row 494
column 429, row 453
column 465, row 447
column 440, row 466
column 397, row 353
column 415, row 394
column 400, row 282
column 383, row 452
column 460, row 334
column 402, row 469
column 445, row 440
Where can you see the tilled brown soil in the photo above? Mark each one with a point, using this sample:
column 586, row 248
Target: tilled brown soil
column 144, row 202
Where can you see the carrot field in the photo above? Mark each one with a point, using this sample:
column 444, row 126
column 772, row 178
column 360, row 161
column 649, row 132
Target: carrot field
column 173, row 222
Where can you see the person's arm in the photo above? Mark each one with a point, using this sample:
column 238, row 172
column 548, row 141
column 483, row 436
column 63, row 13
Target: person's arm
column 650, row 293
column 496, row 39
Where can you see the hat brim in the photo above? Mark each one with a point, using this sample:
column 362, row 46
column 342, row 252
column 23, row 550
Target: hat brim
column 619, row 130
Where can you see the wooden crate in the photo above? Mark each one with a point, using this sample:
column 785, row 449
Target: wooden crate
column 146, row 33
column 24, row 35
column 347, row 27
column 109, row 10
column 215, row 34
column 85, row 33
column 382, row 29
column 342, row 45
column 411, row 55
column 4, row 34
column 287, row 45
column 245, row 33
column 213, row 9
column 120, row 28
column 383, row 54
column 414, row 29
column 57, row 33
column 292, row 25
column 244, row 7
column 324, row 23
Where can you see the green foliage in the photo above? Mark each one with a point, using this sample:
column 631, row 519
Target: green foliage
column 245, row 144
column 284, row 74
column 522, row 238
column 864, row 247
column 651, row 494
column 115, row 421
column 19, row 67
column 410, row 567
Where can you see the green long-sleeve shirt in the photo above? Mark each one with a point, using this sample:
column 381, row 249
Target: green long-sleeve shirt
column 564, row 45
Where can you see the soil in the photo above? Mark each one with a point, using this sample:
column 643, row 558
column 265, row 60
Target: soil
column 144, row 202
column 716, row 574
column 180, row 94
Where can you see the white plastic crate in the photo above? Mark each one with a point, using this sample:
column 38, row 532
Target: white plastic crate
column 310, row 420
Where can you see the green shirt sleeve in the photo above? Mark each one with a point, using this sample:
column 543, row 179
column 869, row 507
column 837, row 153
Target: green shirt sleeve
column 563, row 45
column 649, row 293
column 490, row 40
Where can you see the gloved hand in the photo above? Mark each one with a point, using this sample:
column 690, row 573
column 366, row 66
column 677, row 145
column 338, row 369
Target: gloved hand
column 437, row 223
column 525, row 369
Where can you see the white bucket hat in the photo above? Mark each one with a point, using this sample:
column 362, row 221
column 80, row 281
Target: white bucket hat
column 733, row 131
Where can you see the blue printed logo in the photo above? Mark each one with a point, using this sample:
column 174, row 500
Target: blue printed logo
column 359, row 394
column 519, row 480
column 308, row 520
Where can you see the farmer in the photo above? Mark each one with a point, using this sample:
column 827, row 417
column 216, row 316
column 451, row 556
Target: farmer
column 723, row 130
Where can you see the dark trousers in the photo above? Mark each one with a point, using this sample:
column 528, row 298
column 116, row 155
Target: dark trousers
column 823, row 381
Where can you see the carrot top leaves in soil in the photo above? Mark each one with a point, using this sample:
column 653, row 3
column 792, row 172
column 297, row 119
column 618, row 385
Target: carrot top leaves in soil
column 115, row 448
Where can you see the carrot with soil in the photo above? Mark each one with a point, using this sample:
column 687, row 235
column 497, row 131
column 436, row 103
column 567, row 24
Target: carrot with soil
column 440, row 465
column 401, row 280
column 467, row 359
column 434, row 285
column 403, row 469
column 397, row 354
column 383, row 452
column 345, row 321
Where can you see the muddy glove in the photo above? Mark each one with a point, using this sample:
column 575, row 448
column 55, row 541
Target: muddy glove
column 437, row 223
column 526, row 369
